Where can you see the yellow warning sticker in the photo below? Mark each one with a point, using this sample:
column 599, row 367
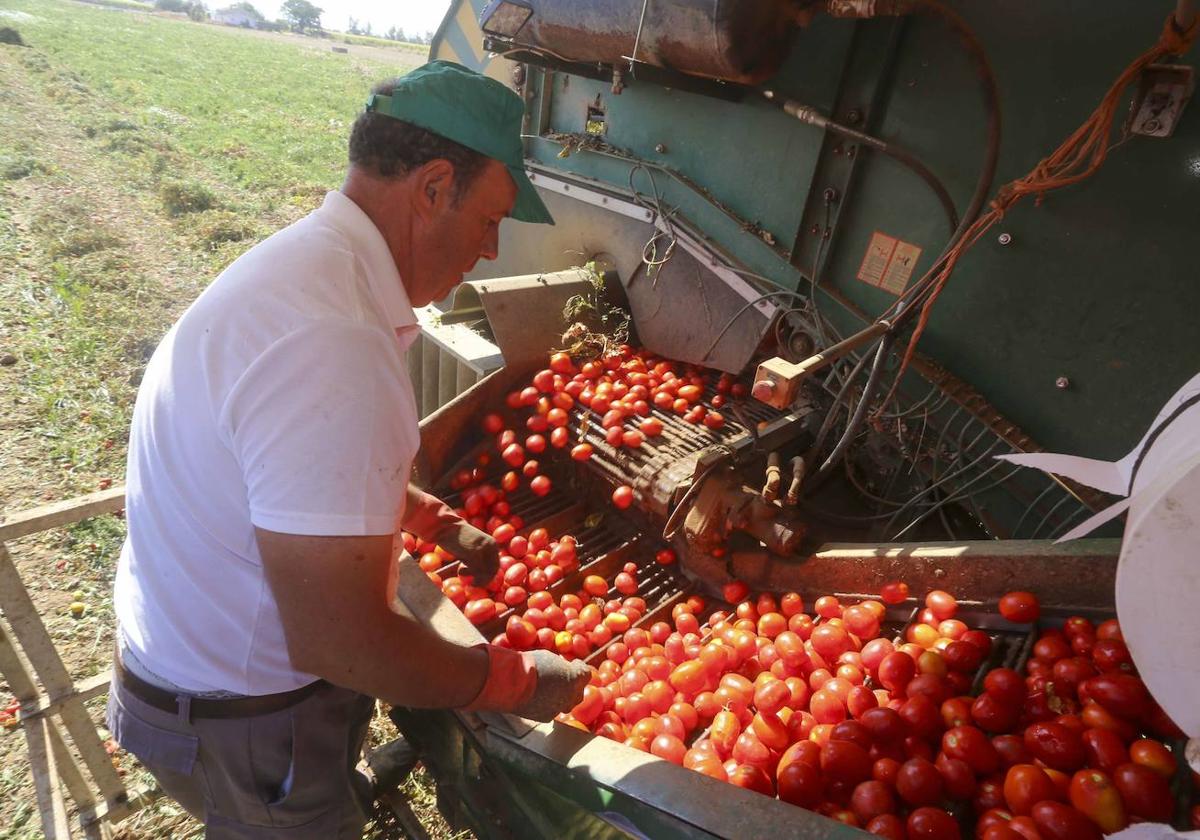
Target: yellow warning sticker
column 888, row 263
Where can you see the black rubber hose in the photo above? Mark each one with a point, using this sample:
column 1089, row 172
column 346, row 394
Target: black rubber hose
column 905, row 309
column 991, row 156
column 906, row 158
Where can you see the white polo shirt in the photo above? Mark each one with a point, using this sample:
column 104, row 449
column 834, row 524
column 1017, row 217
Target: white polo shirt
column 280, row 399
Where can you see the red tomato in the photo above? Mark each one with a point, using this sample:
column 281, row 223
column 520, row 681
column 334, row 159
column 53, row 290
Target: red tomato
column 1011, row 749
column 1144, row 792
column 1110, row 629
column 989, row 795
column 1020, row 607
column 921, row 715
column 752, row 778
column 932, row 824
column 734, row 591
column 845, row 761
column 942, row 604
column 896, row 670
column 827, row 606
column 1025, row 785
column 993, row 714
column 1052, row 647
column 1112, row 655
column 623, row 497
column 970, row 745
column 1056, row 821
column 1150, row 753
column 885, row 725
column 861, row 621
column 581, row 451
column 1094, row 795
column 980, row 639
column 918, row 782
column 998, row 831
column 1105, row 749
column 521, row 633
column 963, row 656
column 800, row 783
column 871, row 799
column 668, row 747
column 665, row 557
column 894, row 593
column 513, row 455
column 957, row 775
column 831, row 641
column 480, row 610
column 595, row 585
column 1055, row 745
column 889, row 826
column 1121, row 694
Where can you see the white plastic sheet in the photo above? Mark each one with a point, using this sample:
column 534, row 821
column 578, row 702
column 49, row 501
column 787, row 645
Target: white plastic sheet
column 1158, row 575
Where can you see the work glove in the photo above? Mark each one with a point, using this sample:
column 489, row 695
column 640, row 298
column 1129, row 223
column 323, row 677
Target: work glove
column 477, row 551
column 534, row 684
column 432, row 519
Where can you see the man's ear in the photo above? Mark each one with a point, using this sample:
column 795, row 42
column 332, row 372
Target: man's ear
column 434, row 182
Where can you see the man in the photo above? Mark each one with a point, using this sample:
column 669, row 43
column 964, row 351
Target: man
column 269, row 458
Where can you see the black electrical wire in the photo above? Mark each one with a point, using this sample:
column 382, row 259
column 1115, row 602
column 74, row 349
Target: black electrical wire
column 738, row 314
column 860, row 411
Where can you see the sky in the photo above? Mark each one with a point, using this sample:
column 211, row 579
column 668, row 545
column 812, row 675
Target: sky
column 417, row 16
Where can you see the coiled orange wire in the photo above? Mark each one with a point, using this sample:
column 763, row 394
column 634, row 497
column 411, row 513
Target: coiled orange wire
column 1077, row 158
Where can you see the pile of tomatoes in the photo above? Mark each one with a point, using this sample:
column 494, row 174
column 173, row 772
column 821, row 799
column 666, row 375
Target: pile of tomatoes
column 827, row 712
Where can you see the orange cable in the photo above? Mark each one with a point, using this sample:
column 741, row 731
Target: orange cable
column 1076, row 159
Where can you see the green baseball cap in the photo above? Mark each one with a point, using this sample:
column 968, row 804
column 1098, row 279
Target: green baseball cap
column 472, row 110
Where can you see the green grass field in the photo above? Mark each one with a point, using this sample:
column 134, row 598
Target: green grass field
column 139, row 154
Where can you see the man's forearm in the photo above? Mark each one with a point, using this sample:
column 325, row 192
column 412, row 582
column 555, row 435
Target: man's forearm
column 403, row 662
column 332, row 595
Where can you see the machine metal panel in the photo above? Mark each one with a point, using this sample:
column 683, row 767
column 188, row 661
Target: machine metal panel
column 1092, row 287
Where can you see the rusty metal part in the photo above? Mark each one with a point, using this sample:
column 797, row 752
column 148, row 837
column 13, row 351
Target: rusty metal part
column 798, row 466
column 725, row 505
column 741, row 41
column 770, row 491
column 778, row 381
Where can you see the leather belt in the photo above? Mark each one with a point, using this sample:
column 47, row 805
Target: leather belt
column 179, row 703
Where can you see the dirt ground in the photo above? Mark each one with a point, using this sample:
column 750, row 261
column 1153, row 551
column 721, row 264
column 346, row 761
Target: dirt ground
column 93, row 270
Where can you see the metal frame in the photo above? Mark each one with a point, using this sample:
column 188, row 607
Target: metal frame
column 66, row 755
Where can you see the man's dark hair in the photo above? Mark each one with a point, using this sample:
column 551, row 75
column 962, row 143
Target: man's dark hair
column 391, row 148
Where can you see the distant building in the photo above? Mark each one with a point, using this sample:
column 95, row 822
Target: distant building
column 237, row 17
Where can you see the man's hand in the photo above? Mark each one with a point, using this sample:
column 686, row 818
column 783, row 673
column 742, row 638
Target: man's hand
column 477, row 551
column 432, row 519
column 559, row 686
column 535, row 684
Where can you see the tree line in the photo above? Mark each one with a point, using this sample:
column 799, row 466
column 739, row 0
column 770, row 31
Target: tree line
column 297, row 15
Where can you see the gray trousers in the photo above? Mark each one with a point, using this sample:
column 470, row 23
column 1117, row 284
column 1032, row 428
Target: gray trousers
column 287, row 774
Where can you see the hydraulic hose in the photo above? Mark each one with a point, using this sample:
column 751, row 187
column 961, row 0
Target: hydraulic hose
column 909, row 303
column 811, row 116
